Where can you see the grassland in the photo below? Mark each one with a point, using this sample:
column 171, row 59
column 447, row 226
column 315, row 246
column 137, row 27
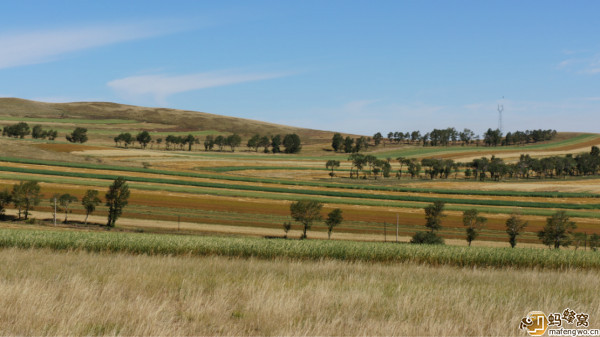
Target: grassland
column 44, row 292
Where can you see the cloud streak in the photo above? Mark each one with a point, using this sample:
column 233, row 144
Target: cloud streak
column 34, row 47
column 162, row 86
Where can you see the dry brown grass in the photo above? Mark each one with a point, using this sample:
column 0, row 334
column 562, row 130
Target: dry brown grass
column 75, row 293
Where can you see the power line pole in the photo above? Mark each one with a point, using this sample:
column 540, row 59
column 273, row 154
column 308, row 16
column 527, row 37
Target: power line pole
column 500, row 109
column 54, row 211
column 397, row 223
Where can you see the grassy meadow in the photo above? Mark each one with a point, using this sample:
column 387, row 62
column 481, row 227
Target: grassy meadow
column 46, row 292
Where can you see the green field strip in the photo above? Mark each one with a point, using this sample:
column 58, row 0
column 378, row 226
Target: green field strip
column 313, row 193
column 303, row 183
column 168, row 244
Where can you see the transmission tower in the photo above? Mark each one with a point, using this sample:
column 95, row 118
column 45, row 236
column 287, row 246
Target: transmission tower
column 500, row 109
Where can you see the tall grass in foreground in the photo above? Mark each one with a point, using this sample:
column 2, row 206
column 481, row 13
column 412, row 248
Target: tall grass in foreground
column 161, row 244
column 43, row 292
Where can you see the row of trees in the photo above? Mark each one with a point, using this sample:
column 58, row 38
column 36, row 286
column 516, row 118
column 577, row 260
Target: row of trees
column 20, row 130
column 450, row 136
column 557, row 232
column 27, row 194
column 290, row 142
column 349, row 144
column 482, row 168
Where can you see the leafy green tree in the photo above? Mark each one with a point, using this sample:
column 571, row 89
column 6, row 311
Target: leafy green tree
column 276, row 143
column 474, row 224
column 332, row 164
column 377, row 138
column 348, row 144
column 209, row 143
column 89, row 201
column 306, row 212
column 5, row 200
column 19, row 130
column 79, row 135
column 37, row 132
column 116, row 200
column 234, row 141
column 514, row 227
column 253, row 142
column 292, row 143
column 264, row 142
column 190, row 140
column 337, row 141
column 26, row 195
column 557, row 230
column 433, row 215
column 220, row 142
column 143, row 138
column 334, row 218
column 65, row 200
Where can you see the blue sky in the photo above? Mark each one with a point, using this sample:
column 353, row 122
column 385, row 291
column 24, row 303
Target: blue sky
column 352, row 66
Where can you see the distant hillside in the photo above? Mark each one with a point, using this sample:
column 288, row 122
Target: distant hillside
column 182, row 120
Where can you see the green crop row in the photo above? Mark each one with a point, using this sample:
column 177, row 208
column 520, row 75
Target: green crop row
column 410, row 198
column 304, row 183
column 161, row 244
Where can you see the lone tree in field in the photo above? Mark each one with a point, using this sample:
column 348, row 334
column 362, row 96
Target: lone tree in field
column 65, row 201
column 331, row 164
column 79, row 135
column 433, row 215
column 26, row 195
column 514, row 227
column 116, row 199
column 557, row 231
column 334, row 218
column 474, row 224
column 433, row 221
column 89, row 201
column 306, row 212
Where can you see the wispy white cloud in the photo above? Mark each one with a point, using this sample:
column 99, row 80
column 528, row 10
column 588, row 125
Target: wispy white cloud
column 161, row 86
column 585, row 64
column 33, row 47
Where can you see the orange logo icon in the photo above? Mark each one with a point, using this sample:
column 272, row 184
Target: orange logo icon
column 536, row 323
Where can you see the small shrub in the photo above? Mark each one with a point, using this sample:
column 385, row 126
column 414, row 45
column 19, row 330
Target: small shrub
column 428, row 238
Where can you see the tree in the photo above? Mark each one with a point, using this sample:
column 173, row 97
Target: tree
column 264, row 142
column 292, row 143
column 190, row 140
column 334, row 218
column 348, row 144
column 557, row 230
column 377, row 138
column 286, row 228
column 79, row 135
column 116, row 200
column 276, row 143
column 143, row 138
column 331, row 164
column 433, row 215
column 89, row 201
column 220, row 142
column 19, row 130
column 427, row 238
column 514, row 227
column 209, row 142
column 5, row 200
column 306, row 212
column 253, row 142
column 65, row 201
column 474, row 224
column 336, row 142
column 234, row 141
column 26, row 195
